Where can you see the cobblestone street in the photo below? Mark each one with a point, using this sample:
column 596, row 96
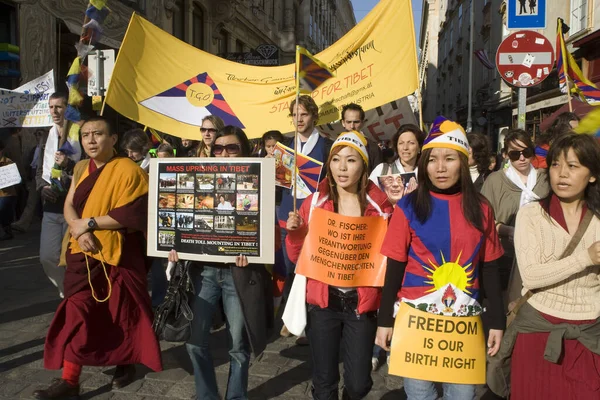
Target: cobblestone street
column 28, row 301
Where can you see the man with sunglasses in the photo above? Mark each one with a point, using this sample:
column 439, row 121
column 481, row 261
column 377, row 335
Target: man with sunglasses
column 508, row 190
column 312, row 144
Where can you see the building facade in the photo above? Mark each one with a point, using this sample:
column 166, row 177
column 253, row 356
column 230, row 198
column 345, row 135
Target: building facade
column 46, row 30
column 444, row 65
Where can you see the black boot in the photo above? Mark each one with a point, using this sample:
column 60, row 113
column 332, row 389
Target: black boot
column 58, row 389
column 124, row 375
column 7, row 233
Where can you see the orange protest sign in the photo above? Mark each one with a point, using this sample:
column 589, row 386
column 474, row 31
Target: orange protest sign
column 438, row 348
column 343, row 251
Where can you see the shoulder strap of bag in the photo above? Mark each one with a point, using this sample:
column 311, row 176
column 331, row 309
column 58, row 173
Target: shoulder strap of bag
column 78, row 170
column 585, row 222
column 313, row 204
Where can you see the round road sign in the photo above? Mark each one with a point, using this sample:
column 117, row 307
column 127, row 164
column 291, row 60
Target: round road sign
column 525, row 59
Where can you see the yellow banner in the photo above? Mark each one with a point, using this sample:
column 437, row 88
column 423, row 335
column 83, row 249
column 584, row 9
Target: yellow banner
column 438, row 348
column 170, row 86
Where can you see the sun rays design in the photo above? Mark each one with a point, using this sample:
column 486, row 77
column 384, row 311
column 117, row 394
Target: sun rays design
column 449, row 272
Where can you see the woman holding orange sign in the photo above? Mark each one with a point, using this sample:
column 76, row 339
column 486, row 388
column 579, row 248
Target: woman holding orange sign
column 441, row 246
column 334, row 313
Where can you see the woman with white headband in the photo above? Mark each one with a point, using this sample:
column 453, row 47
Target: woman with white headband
column 346, row 315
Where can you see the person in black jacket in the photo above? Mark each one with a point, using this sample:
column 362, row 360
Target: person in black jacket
column 310, row 143
column 247, row 301
column 479, row 158
column 353, row 119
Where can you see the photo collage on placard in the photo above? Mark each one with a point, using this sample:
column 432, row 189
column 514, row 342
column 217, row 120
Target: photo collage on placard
column 207, row 203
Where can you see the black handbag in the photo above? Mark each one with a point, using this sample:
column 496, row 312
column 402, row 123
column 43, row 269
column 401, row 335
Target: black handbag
column 173, row 318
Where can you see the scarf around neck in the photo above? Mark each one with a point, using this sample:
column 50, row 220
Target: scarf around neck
column 527, row 195
column 310, row 143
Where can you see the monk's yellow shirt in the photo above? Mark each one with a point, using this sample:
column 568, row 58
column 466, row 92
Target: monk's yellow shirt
column 120, row 183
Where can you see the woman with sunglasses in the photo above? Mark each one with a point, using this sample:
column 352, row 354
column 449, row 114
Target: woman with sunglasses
column 247, row 300
column 509, row 189
column 554, row 337
column 211, row 124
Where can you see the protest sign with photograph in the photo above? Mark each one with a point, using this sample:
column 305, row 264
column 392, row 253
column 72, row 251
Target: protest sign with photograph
column 343, row 251
column 397, row 185
column 27, row 105
column 438, row 347
column 210, row 209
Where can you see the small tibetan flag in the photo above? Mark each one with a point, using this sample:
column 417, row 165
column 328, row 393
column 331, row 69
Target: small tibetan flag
column 568, row 69
column 309, row 171
column 154, row 136
column 310, row 72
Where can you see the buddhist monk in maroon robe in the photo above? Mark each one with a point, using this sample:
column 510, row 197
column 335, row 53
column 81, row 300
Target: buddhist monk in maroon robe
column 106, row 317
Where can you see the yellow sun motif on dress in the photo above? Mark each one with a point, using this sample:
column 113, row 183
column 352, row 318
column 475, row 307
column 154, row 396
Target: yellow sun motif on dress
column 449, row 272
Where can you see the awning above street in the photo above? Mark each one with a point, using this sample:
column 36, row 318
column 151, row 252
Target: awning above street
column 579, row 108
column 540, row 105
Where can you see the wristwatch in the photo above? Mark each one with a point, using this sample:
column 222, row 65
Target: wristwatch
column 92, row 224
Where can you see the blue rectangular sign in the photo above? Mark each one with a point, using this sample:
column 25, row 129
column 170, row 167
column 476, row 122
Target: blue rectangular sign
column 526, row 14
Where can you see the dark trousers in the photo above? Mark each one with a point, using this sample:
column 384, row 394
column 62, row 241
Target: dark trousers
column 7, row 210
column 336, row 329
column 290, row 267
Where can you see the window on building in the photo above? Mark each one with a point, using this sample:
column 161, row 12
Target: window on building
column 579, row 15
column 222, row 42
column 451, row 33
column 9, row 70
column 198, row 27
column 460, row 12
column 178, row 20
column 445, row 48
column 239, row 46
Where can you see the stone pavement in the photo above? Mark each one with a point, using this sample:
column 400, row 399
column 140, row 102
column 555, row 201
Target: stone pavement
column 28, row 301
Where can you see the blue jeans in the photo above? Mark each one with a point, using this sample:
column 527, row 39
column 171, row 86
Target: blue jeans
column 377, row 352
column 210, row 285
column 159, row 281
column 417, row 389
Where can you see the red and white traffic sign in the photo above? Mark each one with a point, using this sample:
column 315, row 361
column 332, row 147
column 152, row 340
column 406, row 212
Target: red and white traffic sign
column 525, row 59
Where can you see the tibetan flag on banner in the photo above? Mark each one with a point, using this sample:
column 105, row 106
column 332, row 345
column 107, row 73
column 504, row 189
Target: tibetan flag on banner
column 162, row 82
column 569, row 70
column 310, row 72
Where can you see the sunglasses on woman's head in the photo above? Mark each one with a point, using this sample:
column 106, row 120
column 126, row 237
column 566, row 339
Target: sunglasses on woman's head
column 514, row 155
column 230, row 148
column 211, row 130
